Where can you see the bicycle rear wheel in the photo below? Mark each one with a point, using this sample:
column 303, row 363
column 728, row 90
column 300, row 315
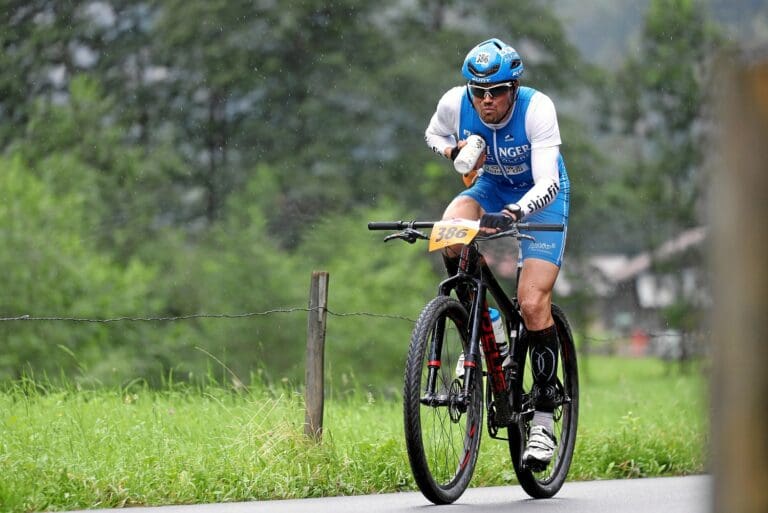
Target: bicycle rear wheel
column 442, row 428
column 545, row 483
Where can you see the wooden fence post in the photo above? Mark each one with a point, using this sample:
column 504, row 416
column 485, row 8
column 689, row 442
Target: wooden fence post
column 315, row 389
column 740, row 323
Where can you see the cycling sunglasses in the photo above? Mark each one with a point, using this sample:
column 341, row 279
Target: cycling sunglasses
column 495, row 90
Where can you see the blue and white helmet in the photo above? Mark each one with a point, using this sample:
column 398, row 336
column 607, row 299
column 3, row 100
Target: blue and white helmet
column 492, row 61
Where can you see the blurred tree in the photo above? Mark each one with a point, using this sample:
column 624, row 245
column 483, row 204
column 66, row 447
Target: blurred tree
column 125, row 62
column 42, row 45
column 125, row 188
column 207, row 68
column 661, row 106
column 59, row 272
column 318, row 116
column 384, row 284
column 239, row 267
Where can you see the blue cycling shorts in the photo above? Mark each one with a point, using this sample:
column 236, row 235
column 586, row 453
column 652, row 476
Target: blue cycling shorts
column 549, row 246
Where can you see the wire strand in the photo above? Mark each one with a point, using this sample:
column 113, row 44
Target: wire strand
column 48, row 318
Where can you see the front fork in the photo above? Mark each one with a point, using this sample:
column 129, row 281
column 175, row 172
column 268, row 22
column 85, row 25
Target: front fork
column 501, row 378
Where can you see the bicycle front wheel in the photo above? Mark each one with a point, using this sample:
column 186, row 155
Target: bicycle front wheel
column 544, row 483
column 442, row 425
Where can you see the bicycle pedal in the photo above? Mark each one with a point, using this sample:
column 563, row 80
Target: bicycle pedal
column 535, row 465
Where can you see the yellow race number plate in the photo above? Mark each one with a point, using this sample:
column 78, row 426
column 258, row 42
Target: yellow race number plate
column 452, row 231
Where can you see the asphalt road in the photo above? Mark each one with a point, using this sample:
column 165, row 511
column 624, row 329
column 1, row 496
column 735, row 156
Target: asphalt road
column 669, row 495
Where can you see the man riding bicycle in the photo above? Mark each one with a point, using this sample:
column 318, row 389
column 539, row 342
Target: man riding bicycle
column 521, row 174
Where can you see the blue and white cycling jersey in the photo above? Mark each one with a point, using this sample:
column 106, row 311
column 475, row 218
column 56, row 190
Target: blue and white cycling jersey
column 508, row 150
column 508, row 174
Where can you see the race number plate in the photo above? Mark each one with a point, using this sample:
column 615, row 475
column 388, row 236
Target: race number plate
column 453, row 231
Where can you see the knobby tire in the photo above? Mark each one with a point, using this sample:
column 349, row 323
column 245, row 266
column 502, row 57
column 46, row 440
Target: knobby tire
column 442, row 441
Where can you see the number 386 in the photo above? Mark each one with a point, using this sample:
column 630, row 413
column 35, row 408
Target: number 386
column 451, row 232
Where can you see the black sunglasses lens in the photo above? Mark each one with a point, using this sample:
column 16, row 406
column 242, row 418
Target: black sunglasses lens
column 479, row 92
column 498, row 91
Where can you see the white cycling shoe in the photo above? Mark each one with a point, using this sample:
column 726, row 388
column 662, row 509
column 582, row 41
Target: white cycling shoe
column 541, row 447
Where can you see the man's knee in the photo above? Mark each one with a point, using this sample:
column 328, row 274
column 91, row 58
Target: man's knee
column 463, row 207
column 536, row 310
column 534, row 293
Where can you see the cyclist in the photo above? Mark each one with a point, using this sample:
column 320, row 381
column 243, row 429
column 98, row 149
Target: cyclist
column 521, row 174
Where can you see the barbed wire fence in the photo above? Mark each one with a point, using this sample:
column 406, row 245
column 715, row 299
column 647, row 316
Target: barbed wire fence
column 593, row 341
column 273, row 311
column 316, row 322
column 149, row 318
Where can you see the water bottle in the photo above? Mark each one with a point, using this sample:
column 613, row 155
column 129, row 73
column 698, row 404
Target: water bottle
column 467, row 157
column 499, row 332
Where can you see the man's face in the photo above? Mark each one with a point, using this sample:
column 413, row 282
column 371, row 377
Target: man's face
column 492, row 101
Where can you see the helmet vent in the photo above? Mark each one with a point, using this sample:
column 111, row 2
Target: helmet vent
column 482, row 74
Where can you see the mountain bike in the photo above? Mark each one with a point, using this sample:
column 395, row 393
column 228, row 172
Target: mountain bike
column 444, row 402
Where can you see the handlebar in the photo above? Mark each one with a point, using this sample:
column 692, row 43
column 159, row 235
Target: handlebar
column 399, row 225
column 402, row 225
column 408, row 230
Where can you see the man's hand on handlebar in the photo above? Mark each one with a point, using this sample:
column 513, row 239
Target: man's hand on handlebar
column 493, row 222
column 500, row 221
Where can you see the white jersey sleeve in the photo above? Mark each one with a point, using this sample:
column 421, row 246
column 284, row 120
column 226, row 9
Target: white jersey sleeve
column 541, row 122
column 544, row 135
column 546, row 180
column 443, row 128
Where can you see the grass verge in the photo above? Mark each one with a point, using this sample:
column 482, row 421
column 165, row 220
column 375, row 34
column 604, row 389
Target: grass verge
column 62, row 448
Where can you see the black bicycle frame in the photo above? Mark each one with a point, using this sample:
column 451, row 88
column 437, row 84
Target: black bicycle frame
column 473, row 271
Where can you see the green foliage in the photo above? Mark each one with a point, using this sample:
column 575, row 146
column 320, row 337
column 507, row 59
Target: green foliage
column 57, row 272
column 78, row 149
column 371, row 279
column 662, row 106
column 35, row 43
column 683, row 316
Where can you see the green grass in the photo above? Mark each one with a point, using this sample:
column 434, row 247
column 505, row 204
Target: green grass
column 63, row 448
